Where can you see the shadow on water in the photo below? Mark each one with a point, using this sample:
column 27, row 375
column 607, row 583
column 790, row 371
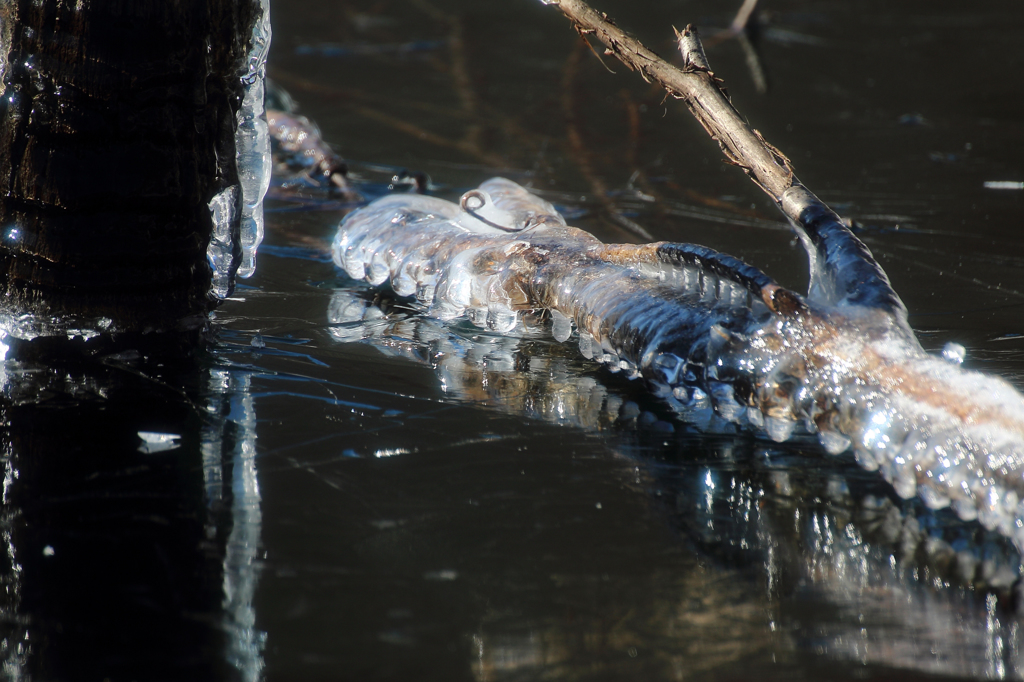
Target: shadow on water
column 425, row 501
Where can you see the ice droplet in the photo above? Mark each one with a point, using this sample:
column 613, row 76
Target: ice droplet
column 954, row 353
column 220, row 252
column 834, row 442
column 779, row 430
column 561, row 326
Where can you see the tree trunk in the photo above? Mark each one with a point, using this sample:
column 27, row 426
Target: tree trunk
column 117, row 128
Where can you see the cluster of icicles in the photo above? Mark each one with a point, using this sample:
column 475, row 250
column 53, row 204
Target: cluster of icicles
column 705, row 330
column 252, row 149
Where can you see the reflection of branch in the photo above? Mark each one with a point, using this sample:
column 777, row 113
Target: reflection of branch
column 743, row 29
column 581, row 154
column 753, row 60
column 742, row 19
column 402, row 125
column 639, row 175
column 647, row 192
column 332, row 93
column 351, row 99
column 463, row 84
column 696, row 85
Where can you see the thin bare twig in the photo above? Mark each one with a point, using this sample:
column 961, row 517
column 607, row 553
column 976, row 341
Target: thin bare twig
column 851, row 268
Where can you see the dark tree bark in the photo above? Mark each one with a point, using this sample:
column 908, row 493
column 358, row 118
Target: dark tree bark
column 116, row 131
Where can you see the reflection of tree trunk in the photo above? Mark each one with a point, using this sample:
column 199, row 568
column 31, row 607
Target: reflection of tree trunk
column 115, row 572
column 130, row 523
column 116, row 131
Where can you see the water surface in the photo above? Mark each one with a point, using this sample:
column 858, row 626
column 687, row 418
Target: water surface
column 360, row 493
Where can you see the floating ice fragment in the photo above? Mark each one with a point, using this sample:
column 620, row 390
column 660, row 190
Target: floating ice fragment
column 999, row 184
column 856, row 374
column 153, row 441
column 391, row 452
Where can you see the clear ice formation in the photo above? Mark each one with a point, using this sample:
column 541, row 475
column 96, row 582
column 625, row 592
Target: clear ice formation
column 252, row 157
column 704, row 329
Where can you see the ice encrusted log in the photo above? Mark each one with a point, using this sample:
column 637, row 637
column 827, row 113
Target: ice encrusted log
column 708, row 332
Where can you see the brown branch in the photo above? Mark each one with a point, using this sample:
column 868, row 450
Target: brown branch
column 840, row 260
column 697, row 86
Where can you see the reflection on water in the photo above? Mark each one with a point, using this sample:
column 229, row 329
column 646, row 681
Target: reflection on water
column 429, row 502
column 809, row 556
column 229, row 444
column 591, row 533
column 131, row 520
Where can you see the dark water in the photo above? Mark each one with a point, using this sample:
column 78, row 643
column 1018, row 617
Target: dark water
column 357, row 493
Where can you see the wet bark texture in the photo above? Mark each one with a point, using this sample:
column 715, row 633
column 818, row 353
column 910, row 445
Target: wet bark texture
column 116, row 130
